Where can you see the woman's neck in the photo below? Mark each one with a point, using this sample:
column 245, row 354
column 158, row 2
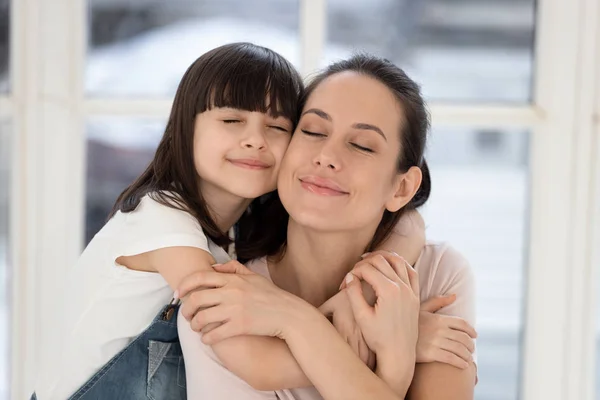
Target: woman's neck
column 315, row 263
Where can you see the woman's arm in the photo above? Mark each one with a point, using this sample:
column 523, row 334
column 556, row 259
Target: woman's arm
column 322, row 354
column 279, row 369
column 451, row 273
column 333, row 368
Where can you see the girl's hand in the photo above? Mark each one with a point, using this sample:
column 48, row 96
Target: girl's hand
column 244, row 303
column 444, row 338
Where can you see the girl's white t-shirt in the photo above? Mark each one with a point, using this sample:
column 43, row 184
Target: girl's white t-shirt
column 106, row 304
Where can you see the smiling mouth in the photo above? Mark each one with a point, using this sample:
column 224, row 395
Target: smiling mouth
column 250, row 164
column 322, row 190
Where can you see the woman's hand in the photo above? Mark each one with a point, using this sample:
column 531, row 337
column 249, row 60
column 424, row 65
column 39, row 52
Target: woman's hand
column 339, row 311
column 444, row 338
column 243, row 302
column 390, row 327
column 394, row 317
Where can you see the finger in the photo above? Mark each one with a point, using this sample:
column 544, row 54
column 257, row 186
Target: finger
column 458, row 349
column 210, row 327
column 201, row 280
column 436, row 303
column 383, row 266
column 396, row 262
column 380, row 283
column 460, row 325
column 447, row 357
column 462, row 338
column 359, row 306
column 222, row 332
column 327, row 307
column 209, row 316
column 233, row 267
column 198, row 300
column 413, row 278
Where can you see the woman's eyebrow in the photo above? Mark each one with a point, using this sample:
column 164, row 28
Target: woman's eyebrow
column 318, row 112
column 369, row 127
column 358, row 125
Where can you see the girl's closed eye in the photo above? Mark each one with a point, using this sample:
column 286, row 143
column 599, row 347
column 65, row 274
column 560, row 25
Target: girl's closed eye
column 279, row 128
column 231, row 121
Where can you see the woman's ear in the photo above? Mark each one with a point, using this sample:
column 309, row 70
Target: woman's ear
column 406, row 186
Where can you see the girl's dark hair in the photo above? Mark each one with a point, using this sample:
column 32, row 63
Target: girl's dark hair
column 413, row 136
column 238, row 75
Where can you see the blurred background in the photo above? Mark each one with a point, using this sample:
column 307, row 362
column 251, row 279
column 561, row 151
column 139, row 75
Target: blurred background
column 475, row 59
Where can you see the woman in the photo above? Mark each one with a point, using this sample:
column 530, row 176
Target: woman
column 353, row 167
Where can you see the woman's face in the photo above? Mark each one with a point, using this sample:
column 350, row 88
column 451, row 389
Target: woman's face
column 340, row 169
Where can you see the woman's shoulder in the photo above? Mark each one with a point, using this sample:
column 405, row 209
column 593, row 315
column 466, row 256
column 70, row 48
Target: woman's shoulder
column 441, row 257
column 444, row 270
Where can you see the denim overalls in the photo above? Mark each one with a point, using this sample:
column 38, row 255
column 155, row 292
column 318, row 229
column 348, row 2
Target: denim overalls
column 150, row 367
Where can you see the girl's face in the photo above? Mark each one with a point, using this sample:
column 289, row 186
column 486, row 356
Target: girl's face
column 340, row 170
column 239, row 152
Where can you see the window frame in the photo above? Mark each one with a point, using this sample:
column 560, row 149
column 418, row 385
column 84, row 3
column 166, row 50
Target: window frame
column 49, row 109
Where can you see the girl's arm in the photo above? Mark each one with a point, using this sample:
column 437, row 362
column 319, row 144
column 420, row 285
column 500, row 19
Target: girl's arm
column 279, row 369
column 390, row 328
column 407, row 238
column 437, row 381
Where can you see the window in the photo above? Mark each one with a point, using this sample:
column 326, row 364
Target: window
column 465, row 51
column 5, row 272
column 479, row 204
column 142, row 48
column 119, row 150
column 507, row 138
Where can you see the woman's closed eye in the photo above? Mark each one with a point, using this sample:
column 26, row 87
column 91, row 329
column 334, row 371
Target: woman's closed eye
column 362, row 148
column 313, row 134
column 231, row 121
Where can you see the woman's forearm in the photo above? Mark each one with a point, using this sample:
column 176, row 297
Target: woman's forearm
column 330, row 363
column 278, row 367
column 397, row 370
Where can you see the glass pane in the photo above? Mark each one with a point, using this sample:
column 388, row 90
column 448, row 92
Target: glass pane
column 4, row 45
column 479, row 205
column 458, row 50
column 118, row 151
column 5, row 306
column 144, row 47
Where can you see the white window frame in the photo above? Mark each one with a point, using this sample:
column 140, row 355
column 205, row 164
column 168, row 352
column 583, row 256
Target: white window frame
column 48, row 110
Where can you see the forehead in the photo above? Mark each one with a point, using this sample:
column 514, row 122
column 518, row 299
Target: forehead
column 357, row 98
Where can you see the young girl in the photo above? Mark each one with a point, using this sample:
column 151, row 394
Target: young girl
column 231, row 122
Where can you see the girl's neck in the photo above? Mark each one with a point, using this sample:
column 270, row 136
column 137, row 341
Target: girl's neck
column 225, row 208
column 315, row 263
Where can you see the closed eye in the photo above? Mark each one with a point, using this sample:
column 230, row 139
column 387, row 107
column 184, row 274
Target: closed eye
column 231, row 121
column 313, row 134
column 362, row 148
column 279, row 128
